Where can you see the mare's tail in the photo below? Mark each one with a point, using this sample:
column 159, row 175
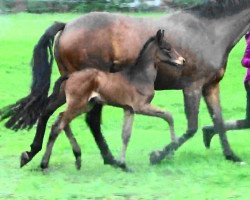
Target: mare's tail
column 25, row 112
column 57, row 87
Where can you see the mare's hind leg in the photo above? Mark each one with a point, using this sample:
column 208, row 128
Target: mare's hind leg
column 37, row 143
column 126, row 133
column 155, row 112
column 93, row 120
column 209, row 131
column 75, row 146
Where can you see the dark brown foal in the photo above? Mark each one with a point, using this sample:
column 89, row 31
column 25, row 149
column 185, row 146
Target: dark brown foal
column 131, row 89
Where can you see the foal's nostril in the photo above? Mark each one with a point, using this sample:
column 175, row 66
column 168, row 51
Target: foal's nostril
column 182, row 60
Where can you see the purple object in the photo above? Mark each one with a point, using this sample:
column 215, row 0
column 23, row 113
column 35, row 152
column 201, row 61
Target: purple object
column 246, row 59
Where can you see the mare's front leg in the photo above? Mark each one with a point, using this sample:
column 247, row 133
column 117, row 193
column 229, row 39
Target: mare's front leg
column 211, row 96
column 93, row 119
column 37, row 143
column 192, row 96
column 126, row 133
column 209, row 131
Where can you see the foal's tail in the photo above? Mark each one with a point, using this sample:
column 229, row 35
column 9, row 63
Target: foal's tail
column 25, row 112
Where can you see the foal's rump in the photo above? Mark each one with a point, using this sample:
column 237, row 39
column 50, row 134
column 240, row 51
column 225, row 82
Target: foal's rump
column 79, row 87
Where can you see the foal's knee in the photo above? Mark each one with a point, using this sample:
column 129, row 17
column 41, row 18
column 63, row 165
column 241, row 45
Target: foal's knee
column 169, row 118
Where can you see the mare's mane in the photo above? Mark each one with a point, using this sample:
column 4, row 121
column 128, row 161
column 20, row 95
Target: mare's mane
column 218, row 8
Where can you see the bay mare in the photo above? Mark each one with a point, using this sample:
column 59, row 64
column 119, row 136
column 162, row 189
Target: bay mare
column 204, row 35
column 131, row 89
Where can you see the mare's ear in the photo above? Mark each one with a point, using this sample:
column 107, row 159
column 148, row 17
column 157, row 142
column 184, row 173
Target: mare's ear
column 159, row 36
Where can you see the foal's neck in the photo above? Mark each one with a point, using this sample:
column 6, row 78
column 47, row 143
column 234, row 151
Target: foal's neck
column 144, row 70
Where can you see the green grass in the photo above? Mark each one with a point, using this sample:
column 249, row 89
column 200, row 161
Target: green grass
column 193, row 173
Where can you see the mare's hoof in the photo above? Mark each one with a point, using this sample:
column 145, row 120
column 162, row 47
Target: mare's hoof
column 242, row 163
column 113, row 162
column 207, row 136
column 155, row 157
column 109, row 161
column 24, row 159
column 233, row 158
column 124, row 167
column 128, row 170
column 78, row 163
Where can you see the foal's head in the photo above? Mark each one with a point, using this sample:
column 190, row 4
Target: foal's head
column 165, row 52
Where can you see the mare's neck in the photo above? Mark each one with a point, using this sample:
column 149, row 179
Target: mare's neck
column 229, row 30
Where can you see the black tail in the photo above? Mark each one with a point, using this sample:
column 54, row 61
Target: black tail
column 57, row 87
column 25, row 112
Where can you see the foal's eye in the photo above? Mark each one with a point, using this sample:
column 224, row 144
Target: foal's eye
column 167, row 50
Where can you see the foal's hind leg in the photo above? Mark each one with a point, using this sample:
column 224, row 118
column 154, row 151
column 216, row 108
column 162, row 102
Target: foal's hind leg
column 59, row 125
column 55, row 130
column 37, row 143
column 126, row 133
column 156, row 112
column 73, row 110
column 75, row 146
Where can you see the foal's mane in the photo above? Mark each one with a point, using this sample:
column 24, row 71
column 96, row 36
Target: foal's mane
column 218, row 8
column 139, row 58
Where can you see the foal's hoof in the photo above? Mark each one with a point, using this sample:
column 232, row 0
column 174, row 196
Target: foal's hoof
column 24, row 159
column 156, row 157
column 44, row 165
column 207, row 136
column 78, row 163
column 233, row 158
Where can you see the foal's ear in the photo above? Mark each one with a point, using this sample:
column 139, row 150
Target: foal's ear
column 159, row 36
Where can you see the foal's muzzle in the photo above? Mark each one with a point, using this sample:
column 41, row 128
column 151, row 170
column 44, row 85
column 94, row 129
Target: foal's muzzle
column 178, row 62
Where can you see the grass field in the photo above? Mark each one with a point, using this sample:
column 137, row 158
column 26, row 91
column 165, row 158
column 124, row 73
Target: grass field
column 193, row 173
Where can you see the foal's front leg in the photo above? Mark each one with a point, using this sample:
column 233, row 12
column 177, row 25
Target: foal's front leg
column 126, row 133
column 156, row 112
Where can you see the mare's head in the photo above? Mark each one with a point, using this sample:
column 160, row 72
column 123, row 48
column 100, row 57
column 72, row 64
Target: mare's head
column 165, row 53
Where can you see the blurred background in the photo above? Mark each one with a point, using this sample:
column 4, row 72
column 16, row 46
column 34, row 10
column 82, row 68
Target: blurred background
column 41, row 6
